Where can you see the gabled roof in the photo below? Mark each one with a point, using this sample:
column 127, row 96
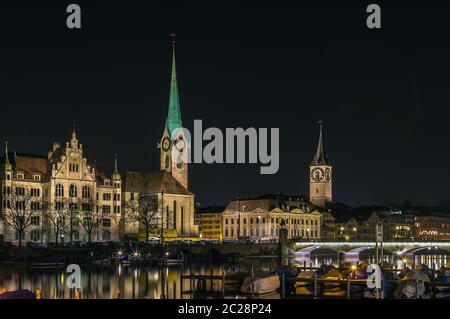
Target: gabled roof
column 271, row 202
column 154, row 182
column 30, row 164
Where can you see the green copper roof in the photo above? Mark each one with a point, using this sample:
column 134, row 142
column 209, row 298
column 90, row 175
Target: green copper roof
column 6, row 165
column 116, row 175
column 174, row 114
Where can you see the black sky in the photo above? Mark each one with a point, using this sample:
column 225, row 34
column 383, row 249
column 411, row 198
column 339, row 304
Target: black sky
column 383, row 94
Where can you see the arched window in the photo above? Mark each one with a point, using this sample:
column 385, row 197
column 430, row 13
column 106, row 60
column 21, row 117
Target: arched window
column 174, row 214
column 86, row 193
column 75, row 235
column 73, row 191
column 59, row 192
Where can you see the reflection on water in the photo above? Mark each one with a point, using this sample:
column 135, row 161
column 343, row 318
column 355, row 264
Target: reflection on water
column 153, row 282
column 120, row 281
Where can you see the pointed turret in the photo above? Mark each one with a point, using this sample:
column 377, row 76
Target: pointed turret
column 6, row 165
column 116, row 175
column 73, row 139
column 173, row 120
column 320, row 158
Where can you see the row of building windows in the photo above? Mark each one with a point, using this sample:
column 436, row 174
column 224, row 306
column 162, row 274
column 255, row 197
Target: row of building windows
column 85, row 193
column 22, row 176
column 20, row 205
column 273, row 232
column 20, row 191
column 106, row 209
column 35, row 235
column 257, row 220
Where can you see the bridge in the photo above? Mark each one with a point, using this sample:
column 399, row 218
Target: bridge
column 392, row 246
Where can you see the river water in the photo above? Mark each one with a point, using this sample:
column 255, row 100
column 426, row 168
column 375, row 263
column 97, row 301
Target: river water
column 121, row 281
column 139, row 282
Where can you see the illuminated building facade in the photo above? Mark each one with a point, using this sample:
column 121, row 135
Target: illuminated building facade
column 58, row 197
column 260, row 218
column 209, row 221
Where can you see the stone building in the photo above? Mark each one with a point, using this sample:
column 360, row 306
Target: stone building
column 260, row 218
column 209, row 221
column 58, row 197
column 169, row 184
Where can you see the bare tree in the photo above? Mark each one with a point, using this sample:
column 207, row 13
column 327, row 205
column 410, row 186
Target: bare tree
column 21, row 207
column 59, row 217
column 90, row 219
column 73, row 212
column 146, row 212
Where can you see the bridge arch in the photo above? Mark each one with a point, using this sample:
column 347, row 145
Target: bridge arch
column 366, row 254
column 433, row 257
column 315, row 256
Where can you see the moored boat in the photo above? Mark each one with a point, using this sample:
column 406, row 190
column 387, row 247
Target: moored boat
column 260, row 284
column 18, row 294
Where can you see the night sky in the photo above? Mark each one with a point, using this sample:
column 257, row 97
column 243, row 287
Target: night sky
column 383, row 95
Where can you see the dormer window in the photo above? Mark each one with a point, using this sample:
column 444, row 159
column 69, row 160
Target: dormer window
column 20, row 176
column 107, row 182
column 37, row 177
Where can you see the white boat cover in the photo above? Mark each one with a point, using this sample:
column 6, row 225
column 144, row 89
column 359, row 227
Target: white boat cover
column 262, row 284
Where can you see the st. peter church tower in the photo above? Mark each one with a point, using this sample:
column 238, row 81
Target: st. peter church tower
column 320, row 176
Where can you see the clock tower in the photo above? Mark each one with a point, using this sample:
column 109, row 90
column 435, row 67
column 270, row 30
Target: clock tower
column 173, row 143
column 320, row 176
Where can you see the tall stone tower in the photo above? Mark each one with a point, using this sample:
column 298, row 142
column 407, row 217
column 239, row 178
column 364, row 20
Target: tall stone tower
column 320, row 176
column 173, row 145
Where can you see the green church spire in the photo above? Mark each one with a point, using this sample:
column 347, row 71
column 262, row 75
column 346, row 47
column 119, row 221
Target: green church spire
column 174, row 114
column 116, row 175
column 6, row 166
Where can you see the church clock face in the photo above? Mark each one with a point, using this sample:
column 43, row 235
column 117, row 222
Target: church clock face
column 317, row 174
column 166, row 144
